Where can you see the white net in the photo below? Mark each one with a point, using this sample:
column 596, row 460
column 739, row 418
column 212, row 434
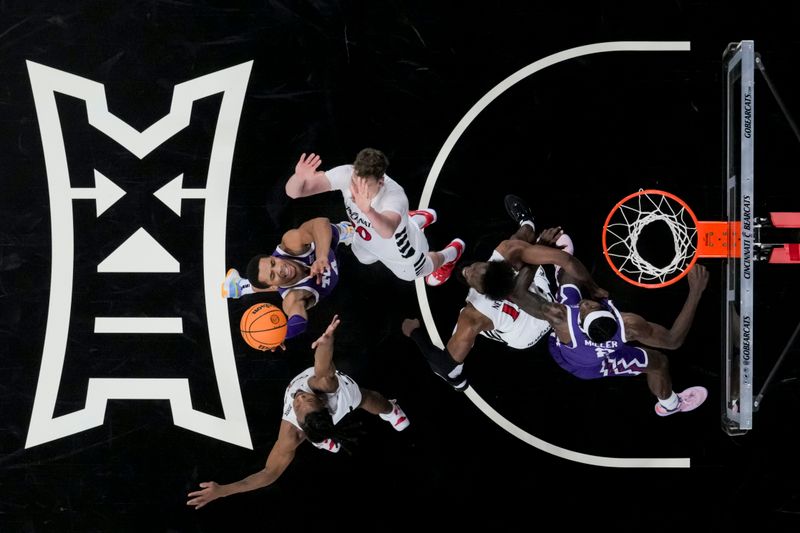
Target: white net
column 625, row 229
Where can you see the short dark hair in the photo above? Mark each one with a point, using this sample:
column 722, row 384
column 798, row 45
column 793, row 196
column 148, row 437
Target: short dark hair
column 602, row 329
column 371, row 163
column 318, row 425
column 498, row 281
column 252, row 271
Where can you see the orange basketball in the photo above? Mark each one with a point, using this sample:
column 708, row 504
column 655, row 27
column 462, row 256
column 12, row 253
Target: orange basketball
column 263, row 326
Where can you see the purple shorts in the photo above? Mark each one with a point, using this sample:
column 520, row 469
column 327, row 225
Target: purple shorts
column 623, row 361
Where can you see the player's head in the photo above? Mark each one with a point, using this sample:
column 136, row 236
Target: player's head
column 596, row 321
column 370, row 164
column 494, row 279
column 314, row 419
column 265, row 271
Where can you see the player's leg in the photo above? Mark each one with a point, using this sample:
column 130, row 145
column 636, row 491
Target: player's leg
column 235, row 286
column 519, row 211
column 375, row 403
column 364, row 256
column 660, row 383
column 423, row 218
column 439, row 265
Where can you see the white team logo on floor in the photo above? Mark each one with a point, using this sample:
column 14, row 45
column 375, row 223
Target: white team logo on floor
column 140, row 253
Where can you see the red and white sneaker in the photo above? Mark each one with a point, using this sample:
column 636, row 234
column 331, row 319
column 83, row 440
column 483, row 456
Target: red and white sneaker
column 442, row 274
column 397, row 418
column 329, row 445
column 688, row 400
column 428, row 214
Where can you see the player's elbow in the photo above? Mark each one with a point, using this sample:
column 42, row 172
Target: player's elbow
column 670, row 342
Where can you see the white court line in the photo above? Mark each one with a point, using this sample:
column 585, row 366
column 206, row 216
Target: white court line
column 427, row 191
column 138, row 324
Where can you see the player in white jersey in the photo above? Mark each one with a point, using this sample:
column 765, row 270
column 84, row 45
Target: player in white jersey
column 490, row 310
column 386, row 230
column 510, row 325
column 314, row 403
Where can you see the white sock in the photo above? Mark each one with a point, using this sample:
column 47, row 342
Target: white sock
column 419, row 220
column 528, row 223
column 670, row 403
column 456, row 371
column 450, row 253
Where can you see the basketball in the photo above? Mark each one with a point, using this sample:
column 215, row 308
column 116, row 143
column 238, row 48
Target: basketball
column 263, row 326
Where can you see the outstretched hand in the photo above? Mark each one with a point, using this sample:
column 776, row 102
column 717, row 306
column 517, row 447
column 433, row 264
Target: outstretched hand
column 361, row 193
column 549, row 237
column 327, row 336
column 698, row 278
column 319, row 268
column 210, row 492
column 409, row 325
column 307, row 166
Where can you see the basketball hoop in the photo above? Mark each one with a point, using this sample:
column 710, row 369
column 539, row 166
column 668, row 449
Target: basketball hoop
column 691, row 238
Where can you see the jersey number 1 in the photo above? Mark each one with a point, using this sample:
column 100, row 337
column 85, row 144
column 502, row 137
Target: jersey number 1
column 510, row 311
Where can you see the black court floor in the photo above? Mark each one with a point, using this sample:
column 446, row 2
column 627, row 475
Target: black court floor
column 332, row 78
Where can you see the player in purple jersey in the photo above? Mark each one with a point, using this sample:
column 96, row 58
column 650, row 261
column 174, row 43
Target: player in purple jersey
column 302, row 269
column 592, row 339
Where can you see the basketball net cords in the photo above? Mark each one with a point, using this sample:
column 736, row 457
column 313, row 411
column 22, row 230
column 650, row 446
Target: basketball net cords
column 627, row 234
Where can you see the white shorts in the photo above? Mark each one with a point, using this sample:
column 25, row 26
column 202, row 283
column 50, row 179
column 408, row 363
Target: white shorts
column 407, row 269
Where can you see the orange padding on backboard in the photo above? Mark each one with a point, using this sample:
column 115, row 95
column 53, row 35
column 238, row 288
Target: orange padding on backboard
column 718, row 239
column 785, row 220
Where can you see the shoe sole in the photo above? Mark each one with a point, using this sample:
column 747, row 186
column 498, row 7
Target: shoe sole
column 225, row 292
column 698, row 392
column 510, row 199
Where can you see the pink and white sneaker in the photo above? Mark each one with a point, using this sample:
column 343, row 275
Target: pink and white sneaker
column 397, row 418
column 442, row 274
column 688, row 400
column 429, row 216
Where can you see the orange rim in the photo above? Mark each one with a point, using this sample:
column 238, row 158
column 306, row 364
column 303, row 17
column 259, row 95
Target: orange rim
column 624, row 276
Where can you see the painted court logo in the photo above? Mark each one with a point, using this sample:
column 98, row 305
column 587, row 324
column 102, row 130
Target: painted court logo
column 139, row 253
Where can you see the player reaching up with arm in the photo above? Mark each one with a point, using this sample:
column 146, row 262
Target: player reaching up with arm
column 314, row 403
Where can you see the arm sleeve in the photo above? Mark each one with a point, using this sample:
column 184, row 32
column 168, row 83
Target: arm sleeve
column 296, row 326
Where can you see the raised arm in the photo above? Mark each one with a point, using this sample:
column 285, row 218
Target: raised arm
column 317, row 230
column 651, row 334
column 296, row 304
column 533, row 304
column 520, row 253
column 324, row 378
column 386, row 222
column 280, row 457
column 307, row 180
